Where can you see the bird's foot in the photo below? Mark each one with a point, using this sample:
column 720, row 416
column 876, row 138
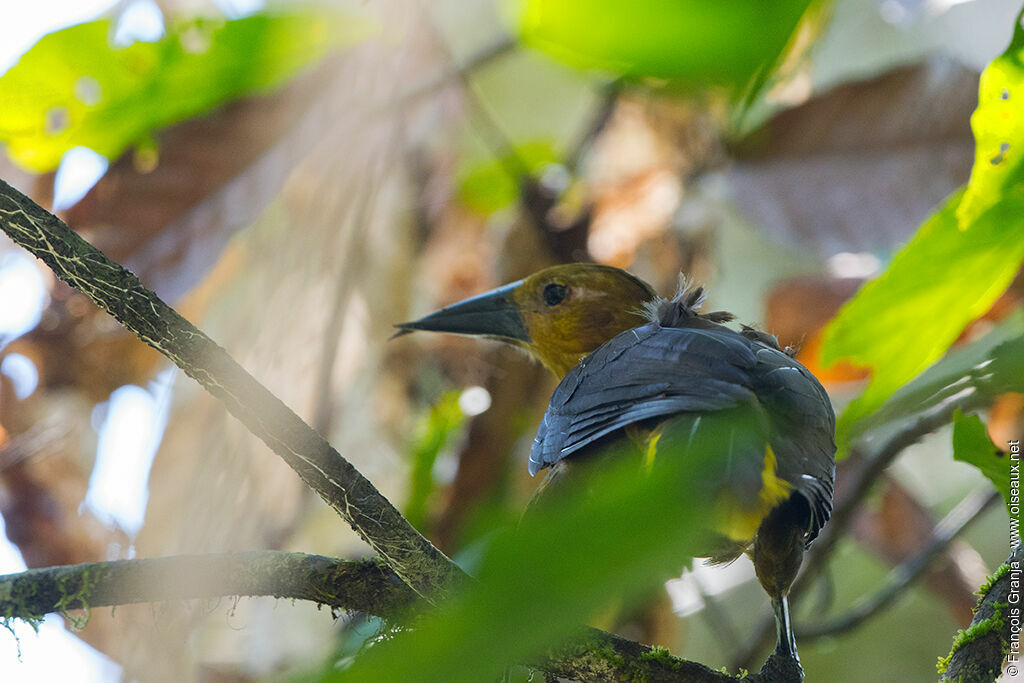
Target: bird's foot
column 783, row 667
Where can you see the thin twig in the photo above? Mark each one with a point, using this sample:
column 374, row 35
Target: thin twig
column 719, row 622
column 872, row 468
column 478, row 60
column 900, row 578
column 609, row 98
column 491, row 133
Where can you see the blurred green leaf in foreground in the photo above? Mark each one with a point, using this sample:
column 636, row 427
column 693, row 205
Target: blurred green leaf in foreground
column 541, row 581
column 74, row 88
column 684, row 41
column 959, row 262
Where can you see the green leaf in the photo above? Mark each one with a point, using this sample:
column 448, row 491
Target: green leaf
column 1007, row 366
column 687, row 41
column 74, row 89
column 540, row 581
column 955, row 267
column 947, row 276
column 993, row 365
column 433, row 433
column 998, row 125
column 488, row 186
column 972, row 445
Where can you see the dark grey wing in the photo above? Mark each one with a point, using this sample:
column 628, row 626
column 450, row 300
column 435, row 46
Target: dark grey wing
column 653, row 372
column 626, row 382
column 803, row 429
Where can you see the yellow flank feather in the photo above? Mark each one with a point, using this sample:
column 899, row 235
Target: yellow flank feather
column 652, row 450
column 740, row 520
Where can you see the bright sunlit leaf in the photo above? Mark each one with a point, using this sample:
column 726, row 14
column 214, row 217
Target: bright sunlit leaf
column 74, row 89
column 972, row 445
column 955, row 267
column 998, row 126
column 690, row 41
column 943, row 279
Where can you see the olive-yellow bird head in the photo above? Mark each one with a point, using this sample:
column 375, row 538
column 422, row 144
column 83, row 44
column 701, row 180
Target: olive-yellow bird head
column 559, row 314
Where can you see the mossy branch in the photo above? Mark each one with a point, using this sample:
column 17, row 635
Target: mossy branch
column 599, row 656
column 980, row 649
column 366, row 586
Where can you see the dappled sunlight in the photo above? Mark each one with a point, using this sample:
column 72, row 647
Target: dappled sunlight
column 20, row 30
column 25, row 294
column 80, row 169
column 22, row 372
column 130, row 430
column 140, row 20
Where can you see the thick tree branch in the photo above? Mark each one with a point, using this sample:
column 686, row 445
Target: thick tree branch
column 374, row 518
column 599, row 656
column 366, row 586
column 978, row 652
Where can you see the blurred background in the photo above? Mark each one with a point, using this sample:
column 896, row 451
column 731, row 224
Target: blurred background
column 295, row 179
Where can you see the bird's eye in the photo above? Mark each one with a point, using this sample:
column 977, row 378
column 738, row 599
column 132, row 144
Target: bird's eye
column 554, row 294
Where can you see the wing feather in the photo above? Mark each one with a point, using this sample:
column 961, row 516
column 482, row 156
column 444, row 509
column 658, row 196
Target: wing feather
column 653, row 371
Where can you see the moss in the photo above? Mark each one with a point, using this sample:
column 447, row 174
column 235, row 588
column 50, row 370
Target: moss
column 984, row 588
column 15, row 596
column 636, row 671
column 72, row 597
column 982, row 628
column 608, row 654
column 661, row 655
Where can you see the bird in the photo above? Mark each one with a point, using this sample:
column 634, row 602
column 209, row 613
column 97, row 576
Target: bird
column 656, row 375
